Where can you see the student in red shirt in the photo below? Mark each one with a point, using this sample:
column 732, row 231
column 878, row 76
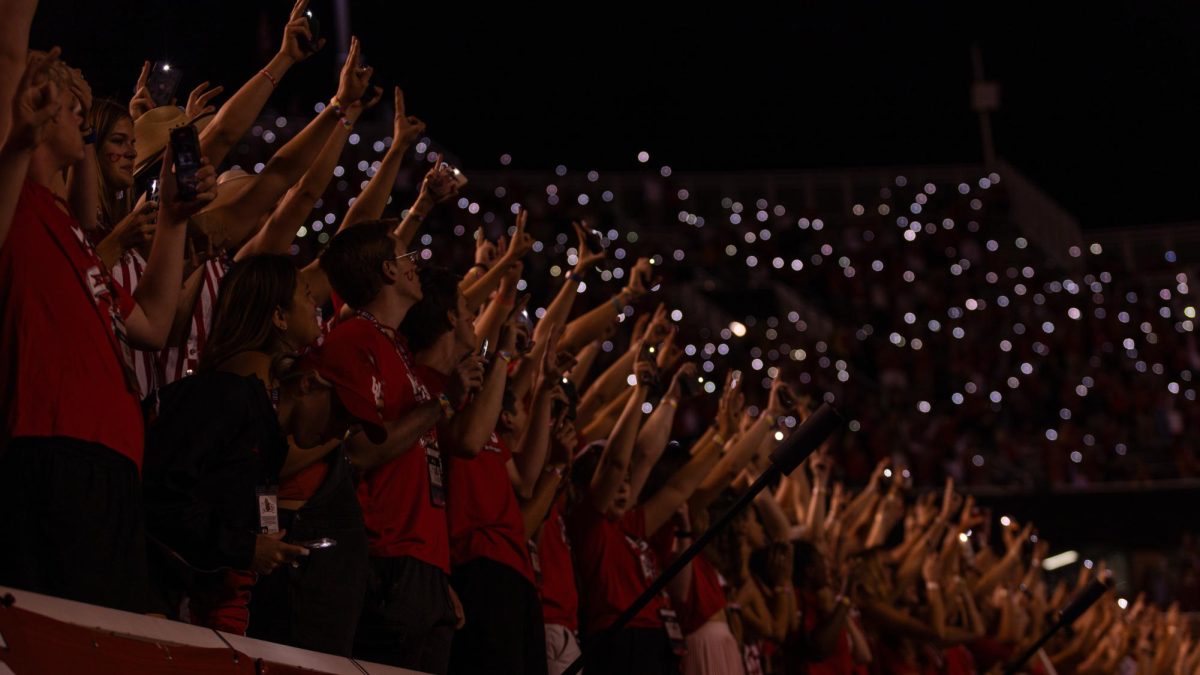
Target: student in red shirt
column 71, row 445
column 410, row 614
column 611, row 537
column 491, row 570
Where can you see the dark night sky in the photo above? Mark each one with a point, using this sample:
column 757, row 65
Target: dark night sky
column 1100, row 108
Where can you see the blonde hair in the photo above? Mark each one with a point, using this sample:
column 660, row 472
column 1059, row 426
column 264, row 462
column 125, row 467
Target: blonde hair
column 60, row 72
column 104, row 115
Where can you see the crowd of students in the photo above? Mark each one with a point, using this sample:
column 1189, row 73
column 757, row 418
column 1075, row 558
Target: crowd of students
column 367, row 455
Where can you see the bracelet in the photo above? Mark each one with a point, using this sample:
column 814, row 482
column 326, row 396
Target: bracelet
column 485, row 267
column 671, row 402
column 447, row 408
column 266, row 73
column 505, row 355
column 718, row 439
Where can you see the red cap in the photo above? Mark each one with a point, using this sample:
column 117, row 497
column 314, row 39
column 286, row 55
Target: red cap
column 353, row 382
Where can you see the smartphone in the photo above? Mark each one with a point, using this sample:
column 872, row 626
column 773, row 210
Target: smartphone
column 185, row 148
column 594, row 241
column 483, row 351
column 152, row 193
column 459, row 178
column 737, row 378
column 314, row 27
column 163, row 82
column 318, row 544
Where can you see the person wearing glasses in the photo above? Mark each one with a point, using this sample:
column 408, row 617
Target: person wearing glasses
column 410, row 613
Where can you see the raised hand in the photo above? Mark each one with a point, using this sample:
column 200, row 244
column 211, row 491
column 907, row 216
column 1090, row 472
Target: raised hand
column 36, row 104
column 174, row 210
column 354, row 79
column 296, row 35
column 639, row 279
column 142, row 102
column 520, row 243
column 197, row 103
column 439, row 184
column 586, row 258
column 406, row 129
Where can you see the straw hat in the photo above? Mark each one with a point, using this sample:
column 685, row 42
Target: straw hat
column 216, row 221
column 152, row 130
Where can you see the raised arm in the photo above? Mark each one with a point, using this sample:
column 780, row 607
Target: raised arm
column 615, row 460
column 297, row 204
column 369, row 205
column 656, row 432
column 288, row 165
column 234, row 118
column 536, row 442
column 83, row 189
column 157, row 294
column 14, row 47
column 520, row 244
column 592, row 325
column 34, row 110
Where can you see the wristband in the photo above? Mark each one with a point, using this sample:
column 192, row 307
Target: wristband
column 505, row 355
column 271, row 78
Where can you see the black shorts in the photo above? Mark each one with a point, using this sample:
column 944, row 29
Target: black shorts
column 630, row 651
column 408, row 618
column 72, row 522
column 316, row 605
column 504, row 632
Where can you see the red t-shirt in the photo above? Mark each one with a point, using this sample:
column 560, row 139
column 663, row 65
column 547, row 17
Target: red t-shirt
column 60, row 370
column 397, row 498
column 842, row 659
column 616, row 563
column 705, row 599
column 560, row 599
column 485, row 519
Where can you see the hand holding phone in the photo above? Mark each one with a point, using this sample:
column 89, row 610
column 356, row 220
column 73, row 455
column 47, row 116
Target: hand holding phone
column 185, row 149
column 163, row 82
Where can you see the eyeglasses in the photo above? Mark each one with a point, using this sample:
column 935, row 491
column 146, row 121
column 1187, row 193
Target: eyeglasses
column 411, row 256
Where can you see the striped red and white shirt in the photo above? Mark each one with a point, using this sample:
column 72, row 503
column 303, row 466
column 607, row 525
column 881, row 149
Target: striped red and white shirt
column 179, row 361
column 128, row 272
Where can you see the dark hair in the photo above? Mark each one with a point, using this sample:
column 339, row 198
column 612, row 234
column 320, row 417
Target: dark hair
column 250, row 293
column 430, row 318
column 354, row 260
column 672, row 460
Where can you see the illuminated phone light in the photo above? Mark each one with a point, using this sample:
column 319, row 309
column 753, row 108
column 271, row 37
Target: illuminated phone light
column 166, row 67
column 1060, row 560
column 1122, row 603
column 1005, row 521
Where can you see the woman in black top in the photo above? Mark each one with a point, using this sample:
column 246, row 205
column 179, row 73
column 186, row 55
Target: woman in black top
column 214, row 452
